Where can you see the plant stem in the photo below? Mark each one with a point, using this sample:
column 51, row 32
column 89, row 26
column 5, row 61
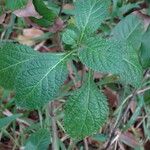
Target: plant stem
column 61, row 7
column 9, row 28
column 86, row 144
column 130, row 97
column 54, row 128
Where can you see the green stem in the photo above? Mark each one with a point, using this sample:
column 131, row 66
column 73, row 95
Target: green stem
column 9, row 28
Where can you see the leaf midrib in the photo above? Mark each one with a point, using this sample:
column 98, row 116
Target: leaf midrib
column 88, row 98
column 130, row 33
column 16, row 64
column 49, row 72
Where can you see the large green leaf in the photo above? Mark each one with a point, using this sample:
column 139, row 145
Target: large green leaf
column 145, row 49
column 5, row 121
column 112, row 57
column 15, row 4
column 130, row 30
column 40, row 79
column 12, row 56
column 38, row 140
column 86, row 110
column 43, row 10
column 89, row 14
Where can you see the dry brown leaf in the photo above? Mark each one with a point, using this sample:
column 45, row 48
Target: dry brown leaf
column 28, row 11
column 28, row 35
column 98, row 75
column 57, row 26
column 25, row 40
column 5, row 146
column 2, row 18
column 147, row 145
column 68, row 6
column 112, row 96
column 144, row 17
column 133, row 105
column 32, row 32
column 129, row 140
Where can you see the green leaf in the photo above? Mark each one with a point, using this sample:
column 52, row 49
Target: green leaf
column 126, row 8
column 70, row 37
column 100, row 137
column 12, row 57
column 130, row 30
column 40, row 79
column 145, row 49
column 43, row 10
column 86, row 111
column 146, row 122
column 1, row 10
column 15, row 4
column 5, row 121
column 41, row 22
column 110, row 56
column 38, row 140
column 37, row 77
column 89, row 14
column 147, row 97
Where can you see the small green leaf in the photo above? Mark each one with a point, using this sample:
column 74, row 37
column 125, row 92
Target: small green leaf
column 145, row 49
column 100, row 137
column 70, row 37
column 110, row 56
column 40, row 79
column 86, row 111
column 43, row 10
column 38, row 140
column 130, row 30
column 12, row 57
column 89, row 14
column 41, row 22
column 15, row 4
column 5, row 121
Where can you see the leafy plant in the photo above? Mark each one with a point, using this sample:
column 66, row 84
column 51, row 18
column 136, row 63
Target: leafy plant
column 38, row 78
column 15, row 4
column 39, row 140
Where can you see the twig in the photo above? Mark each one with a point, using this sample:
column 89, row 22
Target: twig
column 116, row 138
column 121, row 146
column 86, row 144
column 82, row 73
column 71, row 145
column 71, row 74
column 131, row 96
column 54, row 127
column 61, row 7
column 137, row 93
column 143, row 90
column 9, row 27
